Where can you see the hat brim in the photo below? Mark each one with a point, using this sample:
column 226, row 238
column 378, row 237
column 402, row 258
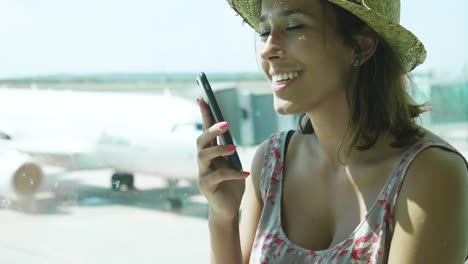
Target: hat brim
column 404, row 43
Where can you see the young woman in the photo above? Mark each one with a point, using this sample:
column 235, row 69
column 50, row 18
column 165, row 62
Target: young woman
column 360, row 181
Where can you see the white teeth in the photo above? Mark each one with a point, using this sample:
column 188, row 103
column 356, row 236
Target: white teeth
column 285, row 76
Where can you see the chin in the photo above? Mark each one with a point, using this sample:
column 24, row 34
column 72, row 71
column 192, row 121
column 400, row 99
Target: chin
column 285, row 107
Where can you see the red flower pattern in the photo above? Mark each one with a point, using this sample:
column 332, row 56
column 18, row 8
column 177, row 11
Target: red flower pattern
column 274, row 180
column 271, row 198
column 383, row 200
column 364, row 246
column 276, row 154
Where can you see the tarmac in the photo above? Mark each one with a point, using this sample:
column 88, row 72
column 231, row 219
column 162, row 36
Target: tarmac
column 87, row 222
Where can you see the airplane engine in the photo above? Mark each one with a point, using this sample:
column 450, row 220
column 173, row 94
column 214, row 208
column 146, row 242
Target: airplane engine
column 19, row 176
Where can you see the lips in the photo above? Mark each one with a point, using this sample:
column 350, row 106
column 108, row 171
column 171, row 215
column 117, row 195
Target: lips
column 281, row 81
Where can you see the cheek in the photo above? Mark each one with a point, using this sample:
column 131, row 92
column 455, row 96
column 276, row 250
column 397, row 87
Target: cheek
column 310, row 52
column 264, row 64
column 338, row 54
column 259, row 50
column 303, row 46
column 324, row 63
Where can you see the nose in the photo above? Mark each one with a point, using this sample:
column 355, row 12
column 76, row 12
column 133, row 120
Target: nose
column 273, row 47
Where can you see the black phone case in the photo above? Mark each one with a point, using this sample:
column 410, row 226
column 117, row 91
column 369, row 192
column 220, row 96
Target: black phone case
column 233, row 159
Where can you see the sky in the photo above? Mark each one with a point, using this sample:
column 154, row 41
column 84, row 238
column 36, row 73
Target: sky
column 41, row 37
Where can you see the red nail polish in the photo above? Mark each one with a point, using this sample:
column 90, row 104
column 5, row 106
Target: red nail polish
column 223, row 126
column 231, row 147
column 245, row 173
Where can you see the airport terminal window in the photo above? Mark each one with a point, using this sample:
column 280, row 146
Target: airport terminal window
column 99, row 121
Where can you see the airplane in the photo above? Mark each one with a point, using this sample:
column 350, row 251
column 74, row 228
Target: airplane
column 127, row 132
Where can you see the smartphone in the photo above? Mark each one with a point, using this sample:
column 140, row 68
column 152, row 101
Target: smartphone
column 226, row 138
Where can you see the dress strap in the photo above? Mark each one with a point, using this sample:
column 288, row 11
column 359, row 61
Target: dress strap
column 273, row 164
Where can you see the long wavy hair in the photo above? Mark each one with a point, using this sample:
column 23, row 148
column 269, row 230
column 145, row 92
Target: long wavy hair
column 380, row 101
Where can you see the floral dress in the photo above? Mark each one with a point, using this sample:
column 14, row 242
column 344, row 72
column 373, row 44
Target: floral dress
column 370, row 241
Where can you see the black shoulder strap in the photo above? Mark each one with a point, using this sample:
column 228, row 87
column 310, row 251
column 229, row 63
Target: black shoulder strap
column 286, row 141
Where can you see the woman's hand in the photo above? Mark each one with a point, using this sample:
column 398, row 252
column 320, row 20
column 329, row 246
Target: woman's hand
column 222, row 186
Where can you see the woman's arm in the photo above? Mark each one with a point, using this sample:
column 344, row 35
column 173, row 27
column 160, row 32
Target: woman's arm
column 252, row 204
column 431, row 213
column 224, row 239
column 228, row 244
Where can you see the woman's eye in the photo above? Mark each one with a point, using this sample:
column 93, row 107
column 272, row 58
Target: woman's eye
column 295, row 27
column 263, row 34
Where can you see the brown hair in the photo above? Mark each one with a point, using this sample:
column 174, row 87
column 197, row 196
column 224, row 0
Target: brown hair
column 379, row 101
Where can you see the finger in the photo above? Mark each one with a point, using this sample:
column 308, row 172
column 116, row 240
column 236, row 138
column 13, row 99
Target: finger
column 207, row 116
column 220, row 175
column 207, row 155
column 208, row 138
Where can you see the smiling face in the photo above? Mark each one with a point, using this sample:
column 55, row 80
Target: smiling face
column 302, row 54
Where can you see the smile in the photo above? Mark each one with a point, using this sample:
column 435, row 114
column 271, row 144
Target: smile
column 282, row 81
column 284, row 76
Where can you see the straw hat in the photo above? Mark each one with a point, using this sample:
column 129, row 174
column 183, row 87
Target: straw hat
column 383, row 16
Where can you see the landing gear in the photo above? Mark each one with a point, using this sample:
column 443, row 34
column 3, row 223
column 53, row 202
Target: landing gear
column 175, row 203
column 122, row 182
column 174, row 200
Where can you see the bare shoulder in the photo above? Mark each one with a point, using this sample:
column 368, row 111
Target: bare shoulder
column 436, row 165
column 257, row 166
column 432, row 208
column 436, row 169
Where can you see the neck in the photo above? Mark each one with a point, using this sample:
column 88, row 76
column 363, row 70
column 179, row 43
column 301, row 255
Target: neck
column 330, row 122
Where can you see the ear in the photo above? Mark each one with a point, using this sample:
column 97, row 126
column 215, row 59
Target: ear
column 366, row 45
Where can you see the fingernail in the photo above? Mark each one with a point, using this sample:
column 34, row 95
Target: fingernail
column 198, row 101
column 223, row 126
column 245, row 173
column 231, row 147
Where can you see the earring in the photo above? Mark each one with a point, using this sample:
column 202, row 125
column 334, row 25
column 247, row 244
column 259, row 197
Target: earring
column 357, row 62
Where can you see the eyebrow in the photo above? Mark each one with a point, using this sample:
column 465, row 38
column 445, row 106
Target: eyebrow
column 284, row 13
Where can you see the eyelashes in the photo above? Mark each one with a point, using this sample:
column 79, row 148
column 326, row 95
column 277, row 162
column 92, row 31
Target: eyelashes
column 295, row 27
column 264, row 34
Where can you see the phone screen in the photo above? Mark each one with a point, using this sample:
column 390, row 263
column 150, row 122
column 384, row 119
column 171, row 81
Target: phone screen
column 226, row 138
